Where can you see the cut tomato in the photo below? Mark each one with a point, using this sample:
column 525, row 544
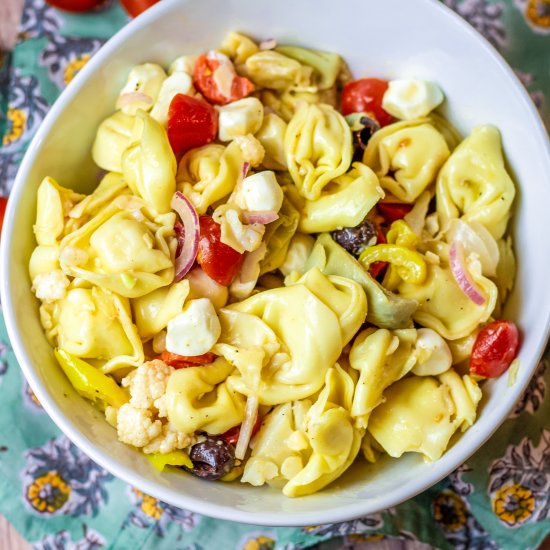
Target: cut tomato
column 365, row 96
column 392, row 211
column 76, row 5
column 495, row 348
column 184, row 361
column 135, row 7
column 3, row 204
column 192, row 122
column 205, row 82
column 232, row 435
column 218, row 260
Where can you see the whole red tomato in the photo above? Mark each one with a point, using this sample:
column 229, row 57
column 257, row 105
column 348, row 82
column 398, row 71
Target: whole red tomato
column 76, row 5
column 192, row 122
column 218, row 260
column 365, row 96
column 135, row 7
column 495, row 348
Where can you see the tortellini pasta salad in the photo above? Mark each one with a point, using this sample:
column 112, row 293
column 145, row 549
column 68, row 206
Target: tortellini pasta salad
column 282, row 270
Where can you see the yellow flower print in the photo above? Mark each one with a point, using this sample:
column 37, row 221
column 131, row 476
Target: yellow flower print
column 310, row 528
column 17, row 123
column 369, row 537
column 74, row 66
column 513, row 504
column 150, row 507
column 538, row 12
column 48, row 493
column 259, row 543
column 450, row 511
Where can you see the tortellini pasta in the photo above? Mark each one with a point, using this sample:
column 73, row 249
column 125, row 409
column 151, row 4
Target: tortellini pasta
column 200, row 398
column 302, row 446
column 344, row 202
column 474, row 184
column 97, row 325
column 208, row 174
column 124, row 248
column 112, row 139
column 270, row 69
column 318, row 148
column 406, row 156
column 148, row 164
column 283, row 340
column 238, row 47
column 271, row 135
column 421, row 414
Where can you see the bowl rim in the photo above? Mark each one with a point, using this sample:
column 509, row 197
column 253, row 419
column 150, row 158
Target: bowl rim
column 440, row 468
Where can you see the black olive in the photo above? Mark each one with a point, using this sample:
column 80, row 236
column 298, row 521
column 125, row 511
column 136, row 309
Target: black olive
column 355, row 239
column 369, row 127
column 212, row 458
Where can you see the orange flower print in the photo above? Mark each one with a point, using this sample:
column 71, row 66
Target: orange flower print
column 48, row 493
column 513, row 504
column 536, row 14
column 450, row 511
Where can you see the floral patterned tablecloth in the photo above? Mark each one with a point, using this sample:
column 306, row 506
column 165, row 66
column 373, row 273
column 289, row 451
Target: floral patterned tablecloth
column 59, row 499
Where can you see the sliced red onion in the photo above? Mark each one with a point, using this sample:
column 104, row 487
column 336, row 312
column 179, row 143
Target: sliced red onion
column 189, row 233
column 250, row 415
column 180, row 236
column 133, row 97
column 259, row 217
column 268, row 44
column 461, row 275
column 245, row 169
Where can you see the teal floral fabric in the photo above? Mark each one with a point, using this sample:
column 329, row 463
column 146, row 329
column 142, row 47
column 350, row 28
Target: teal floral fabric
column 60, row 500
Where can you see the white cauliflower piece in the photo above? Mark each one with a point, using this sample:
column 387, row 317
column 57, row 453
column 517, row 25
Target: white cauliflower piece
column 147, row 383
column 136, row 426
column 253, row 151
column 50, row 286
column 169, row 440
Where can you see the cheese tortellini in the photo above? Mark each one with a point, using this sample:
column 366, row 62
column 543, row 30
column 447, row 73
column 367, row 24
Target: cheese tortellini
column 318, row 148
column 297, row 287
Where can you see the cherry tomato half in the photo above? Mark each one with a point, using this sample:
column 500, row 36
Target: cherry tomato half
column 203, row 79
column 218, row 260
column 365, row 96
column 192, row 122
column 183, row 361
column 232, row 435
column 378, row 269
column 76, row 5
column 392, row 212
column 495, row 348
column 135, row 7
column 3, row 204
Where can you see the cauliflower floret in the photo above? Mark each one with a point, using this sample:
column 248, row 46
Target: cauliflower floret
column 169, row 440
column 253, row 151
column 147, row 383
column 136, row 426
column 50, row 286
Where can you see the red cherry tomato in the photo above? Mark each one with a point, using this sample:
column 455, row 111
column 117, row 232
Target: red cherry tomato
column 232, row 435
column 495, row 348
column 365, row 96
column 192, row 122
column 392, row 212
column 218, row 260
column 76, row 5
column 3, row 203
column 135, row 7
column 377, row 269
column 183, row 361
column 203, row 79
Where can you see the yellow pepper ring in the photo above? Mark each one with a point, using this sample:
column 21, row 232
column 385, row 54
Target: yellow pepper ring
column 401, row 233
column 409, row 263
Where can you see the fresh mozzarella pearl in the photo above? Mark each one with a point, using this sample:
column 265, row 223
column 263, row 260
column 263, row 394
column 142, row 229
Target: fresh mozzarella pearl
column 408, row 99
column 240, row 118
column 195, row 330
column 260, row 192
column 434, row 355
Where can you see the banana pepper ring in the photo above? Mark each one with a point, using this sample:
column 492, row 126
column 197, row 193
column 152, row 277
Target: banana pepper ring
column 410, row 265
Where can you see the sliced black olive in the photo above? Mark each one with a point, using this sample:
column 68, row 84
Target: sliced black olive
column 356, row 239
column 212, row 458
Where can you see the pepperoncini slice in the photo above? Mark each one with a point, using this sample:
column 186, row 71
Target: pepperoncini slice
column 173, row 458
column 90, row 382
column 410, row 265
column 401, row 233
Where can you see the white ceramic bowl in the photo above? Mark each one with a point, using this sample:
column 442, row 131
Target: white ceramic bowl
column 391, row 38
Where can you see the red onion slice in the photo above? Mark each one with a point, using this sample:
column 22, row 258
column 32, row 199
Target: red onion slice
column 250, row 415
column 259, row 217
column 132, row 97
column 245, row 169
column 461, row 275
column 188, row 234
